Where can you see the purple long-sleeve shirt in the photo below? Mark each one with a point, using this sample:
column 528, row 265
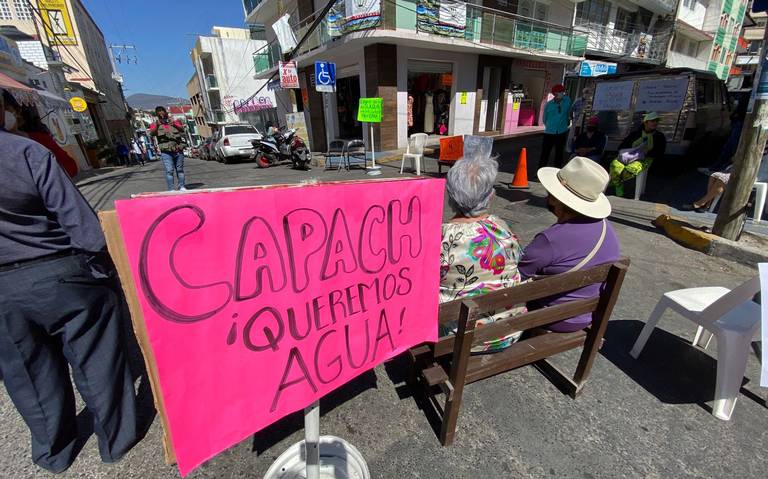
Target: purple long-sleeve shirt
column 558, row 249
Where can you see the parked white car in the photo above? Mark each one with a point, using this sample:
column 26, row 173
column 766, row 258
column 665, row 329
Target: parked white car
column 234, row 141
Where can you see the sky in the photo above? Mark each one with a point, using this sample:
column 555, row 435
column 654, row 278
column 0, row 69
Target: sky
column 163, row 31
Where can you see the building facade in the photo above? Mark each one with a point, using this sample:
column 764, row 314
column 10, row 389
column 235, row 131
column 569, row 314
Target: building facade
column 226, row 82
column 198, row 107
column 707, row 33
column 442, row 68
column 68, row 29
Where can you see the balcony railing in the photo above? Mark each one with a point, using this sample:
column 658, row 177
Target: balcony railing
column 210, row 81
column 483, row 26
column 219, row 116
column 648, row 47
column 266, row 58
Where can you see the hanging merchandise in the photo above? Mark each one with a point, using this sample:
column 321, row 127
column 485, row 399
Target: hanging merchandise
column 429, row 113
column 443, row 17
column 285, row 35
column 353, row 15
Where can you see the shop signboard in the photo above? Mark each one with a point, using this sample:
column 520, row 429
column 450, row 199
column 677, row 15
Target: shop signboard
column 589, row 68
column 289, row 75
column 442, row 17
column 78, row 104
column 325, row 77
column 369, row 110
column 252, row 104
column 353, row 15
column 57, row 22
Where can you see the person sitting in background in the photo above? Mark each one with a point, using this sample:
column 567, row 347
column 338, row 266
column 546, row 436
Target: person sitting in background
column 581, row 237
column 637, row 152
column 479, row 252
column 590, row 143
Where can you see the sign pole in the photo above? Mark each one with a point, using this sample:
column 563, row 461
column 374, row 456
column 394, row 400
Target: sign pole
column 373, row 170
column 312, row 439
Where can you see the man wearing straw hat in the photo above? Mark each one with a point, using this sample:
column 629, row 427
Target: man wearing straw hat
column 637, row 152
column 581, row 237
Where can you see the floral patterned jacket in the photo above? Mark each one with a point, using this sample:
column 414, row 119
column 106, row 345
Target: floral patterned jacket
column 477, row 258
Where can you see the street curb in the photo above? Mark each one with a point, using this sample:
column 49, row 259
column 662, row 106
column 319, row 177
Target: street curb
column 707, row 243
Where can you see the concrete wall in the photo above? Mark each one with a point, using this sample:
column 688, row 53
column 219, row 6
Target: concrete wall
column 461, row 121
column 694, row 17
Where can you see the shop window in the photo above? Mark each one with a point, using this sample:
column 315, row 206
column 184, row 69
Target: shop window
column 429, row 97
column 625, row 20
column 593, row 11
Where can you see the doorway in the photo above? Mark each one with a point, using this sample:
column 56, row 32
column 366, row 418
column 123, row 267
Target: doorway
column 429, row 97
column 347, row 101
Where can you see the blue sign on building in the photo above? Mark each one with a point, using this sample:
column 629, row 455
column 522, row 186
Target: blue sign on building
column 590, row 68
column 325, row 77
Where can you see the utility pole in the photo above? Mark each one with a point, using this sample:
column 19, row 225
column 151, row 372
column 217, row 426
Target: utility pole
column 121, row 50
column 749, row 154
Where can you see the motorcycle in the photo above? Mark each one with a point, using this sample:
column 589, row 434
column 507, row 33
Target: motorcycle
column 281, row 147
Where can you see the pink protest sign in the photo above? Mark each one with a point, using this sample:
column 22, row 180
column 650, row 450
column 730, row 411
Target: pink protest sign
column 258, row 302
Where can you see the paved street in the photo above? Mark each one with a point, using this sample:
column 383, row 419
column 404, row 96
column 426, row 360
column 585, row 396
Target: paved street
column 648, row 418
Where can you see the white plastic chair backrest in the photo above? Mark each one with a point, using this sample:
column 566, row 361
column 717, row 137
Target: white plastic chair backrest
column 742, row 293
column 419, row 141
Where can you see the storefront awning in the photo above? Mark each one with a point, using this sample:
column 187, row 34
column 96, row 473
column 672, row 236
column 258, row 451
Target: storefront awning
column 52, row 101
column 20, row 92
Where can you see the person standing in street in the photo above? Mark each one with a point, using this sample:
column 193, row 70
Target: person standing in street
column 60, row 306
column 557, row 123
column 138, row 155
column 171, row 138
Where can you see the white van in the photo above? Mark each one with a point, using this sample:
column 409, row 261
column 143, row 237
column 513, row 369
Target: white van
column 693, row 105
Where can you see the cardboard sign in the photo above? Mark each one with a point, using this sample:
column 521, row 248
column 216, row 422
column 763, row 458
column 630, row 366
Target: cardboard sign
column 369, row 110
column 289, row 75
column 661, row 95
column 451, row 148
column 256, row 302
column 613, row 96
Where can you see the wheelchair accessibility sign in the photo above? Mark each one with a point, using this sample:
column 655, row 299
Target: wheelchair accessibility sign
column 325, row 77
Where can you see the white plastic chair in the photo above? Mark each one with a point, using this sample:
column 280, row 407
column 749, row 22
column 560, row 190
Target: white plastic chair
column 414, row 151
column 731, row 316
column 760, row 196
column 640, row 183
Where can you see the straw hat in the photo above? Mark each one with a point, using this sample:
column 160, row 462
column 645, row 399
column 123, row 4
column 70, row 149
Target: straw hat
column 579, row 185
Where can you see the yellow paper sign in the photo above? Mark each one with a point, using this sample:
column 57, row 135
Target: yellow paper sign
column 515, row 105
column 57, row 22
column 78, row 104
column 463, row 98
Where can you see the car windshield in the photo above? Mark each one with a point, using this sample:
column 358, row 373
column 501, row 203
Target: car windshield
column 240, row 130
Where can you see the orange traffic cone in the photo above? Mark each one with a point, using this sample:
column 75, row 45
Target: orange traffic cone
column 521, row 174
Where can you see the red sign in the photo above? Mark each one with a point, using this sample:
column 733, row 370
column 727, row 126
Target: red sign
column 451, row 148
column 289, row 75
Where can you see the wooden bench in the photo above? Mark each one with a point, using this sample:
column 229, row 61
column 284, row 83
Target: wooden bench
column 448, row 364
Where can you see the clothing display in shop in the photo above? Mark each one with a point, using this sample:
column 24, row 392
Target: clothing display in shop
column 429, row 113
column 410, row 111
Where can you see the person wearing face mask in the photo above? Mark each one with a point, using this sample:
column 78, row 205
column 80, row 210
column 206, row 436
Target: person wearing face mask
column 557, row 123
column 581, row 238
column 591, row 142
column 26, row 122
column 60, row 307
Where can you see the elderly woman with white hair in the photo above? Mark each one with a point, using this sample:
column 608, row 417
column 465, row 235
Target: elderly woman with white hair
column 479, row 252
